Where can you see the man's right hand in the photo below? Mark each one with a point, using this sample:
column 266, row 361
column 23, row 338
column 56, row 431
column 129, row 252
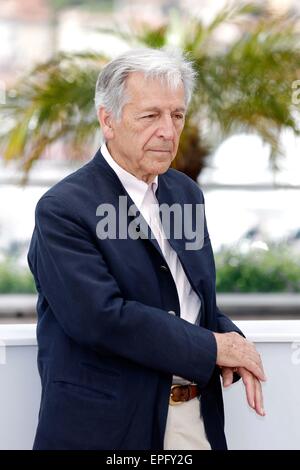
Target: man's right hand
column 235, row 351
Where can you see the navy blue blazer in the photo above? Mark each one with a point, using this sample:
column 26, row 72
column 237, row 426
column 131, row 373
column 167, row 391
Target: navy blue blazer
column 107, row 346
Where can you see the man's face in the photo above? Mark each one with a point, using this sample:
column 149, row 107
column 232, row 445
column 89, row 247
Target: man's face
column 145, row 140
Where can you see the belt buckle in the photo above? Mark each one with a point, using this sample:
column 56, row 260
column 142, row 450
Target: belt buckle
column 171, row 401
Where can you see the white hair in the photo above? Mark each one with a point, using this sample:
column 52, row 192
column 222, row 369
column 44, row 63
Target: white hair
column 168, row 65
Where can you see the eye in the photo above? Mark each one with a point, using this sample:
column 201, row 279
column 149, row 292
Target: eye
column 149, row 116
column 179, row 116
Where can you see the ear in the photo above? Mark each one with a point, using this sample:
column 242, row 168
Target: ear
column 105, row 121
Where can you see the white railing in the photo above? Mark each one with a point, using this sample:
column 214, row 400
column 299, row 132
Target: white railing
column 277, row 341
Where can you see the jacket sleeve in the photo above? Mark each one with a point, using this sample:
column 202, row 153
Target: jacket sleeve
column 72, row 274
column 225, row 325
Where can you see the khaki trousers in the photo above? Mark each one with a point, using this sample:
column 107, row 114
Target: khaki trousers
column 185, row 427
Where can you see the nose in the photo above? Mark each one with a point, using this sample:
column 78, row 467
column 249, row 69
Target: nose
column 166, row 128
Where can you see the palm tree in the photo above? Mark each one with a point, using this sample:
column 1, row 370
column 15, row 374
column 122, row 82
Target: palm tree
column 243, row 86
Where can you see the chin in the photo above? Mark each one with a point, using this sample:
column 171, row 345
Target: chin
column 162, row 168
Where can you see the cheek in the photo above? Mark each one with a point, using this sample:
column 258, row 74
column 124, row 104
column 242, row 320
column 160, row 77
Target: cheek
column 178, row 135
column 139, row 134
column 146, row 136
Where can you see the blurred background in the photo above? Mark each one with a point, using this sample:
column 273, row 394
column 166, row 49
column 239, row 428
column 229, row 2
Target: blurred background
column 241, row 141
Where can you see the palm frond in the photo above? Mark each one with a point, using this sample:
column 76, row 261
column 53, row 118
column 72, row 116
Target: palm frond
column 54, row 102
column 242, row 86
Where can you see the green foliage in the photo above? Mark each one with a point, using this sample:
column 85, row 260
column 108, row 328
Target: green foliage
column 54, row 103
column 153, row 38
column 94, row 4
column 276, row 270
column 15, row 280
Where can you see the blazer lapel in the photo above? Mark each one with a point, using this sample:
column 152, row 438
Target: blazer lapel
column 173, row 226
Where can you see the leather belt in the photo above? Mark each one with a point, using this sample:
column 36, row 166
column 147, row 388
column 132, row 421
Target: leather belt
column 181, row 393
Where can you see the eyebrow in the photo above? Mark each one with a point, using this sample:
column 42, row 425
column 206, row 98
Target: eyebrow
column 155, row 109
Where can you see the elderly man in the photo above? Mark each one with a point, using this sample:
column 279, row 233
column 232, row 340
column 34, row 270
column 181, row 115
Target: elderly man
column 131, row 342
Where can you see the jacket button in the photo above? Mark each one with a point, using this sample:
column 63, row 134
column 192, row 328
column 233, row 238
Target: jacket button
column 172, row 312
column 164, row 268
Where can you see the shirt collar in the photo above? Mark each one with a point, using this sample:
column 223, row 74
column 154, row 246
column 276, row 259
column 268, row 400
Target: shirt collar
column 135, row 187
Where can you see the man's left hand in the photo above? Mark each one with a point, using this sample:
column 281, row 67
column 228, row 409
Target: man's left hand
column 252, row 385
